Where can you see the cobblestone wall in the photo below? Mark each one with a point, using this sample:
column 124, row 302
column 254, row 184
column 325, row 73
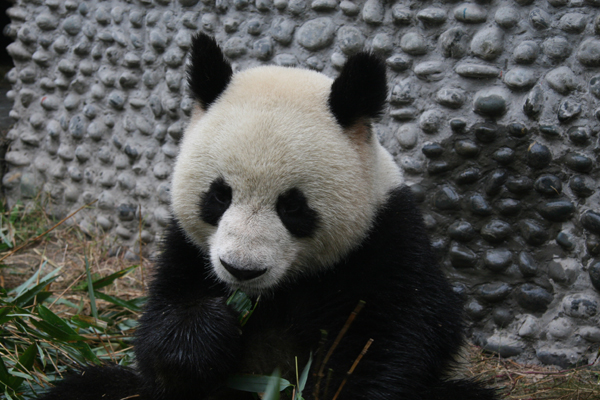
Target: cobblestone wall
column 494, row 109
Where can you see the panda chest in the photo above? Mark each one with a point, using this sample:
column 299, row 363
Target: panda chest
column 271, row 345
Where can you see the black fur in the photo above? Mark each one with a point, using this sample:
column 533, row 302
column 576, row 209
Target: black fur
column 360, row 91
column 209, row 72
column 99, row 383
column 215, row 202
column 293, row 210
column 189, row 340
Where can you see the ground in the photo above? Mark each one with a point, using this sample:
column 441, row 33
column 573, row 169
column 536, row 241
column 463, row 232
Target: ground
column 106, row 328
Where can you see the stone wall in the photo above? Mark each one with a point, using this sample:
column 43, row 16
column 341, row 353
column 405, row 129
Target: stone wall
column 493, row 116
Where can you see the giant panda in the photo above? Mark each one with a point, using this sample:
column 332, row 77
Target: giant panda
column 281, row 190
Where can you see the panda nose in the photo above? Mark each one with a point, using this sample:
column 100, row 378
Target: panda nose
column 243, row 274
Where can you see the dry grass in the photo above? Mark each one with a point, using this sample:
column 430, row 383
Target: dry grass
column 528, row 382
column 66, row 247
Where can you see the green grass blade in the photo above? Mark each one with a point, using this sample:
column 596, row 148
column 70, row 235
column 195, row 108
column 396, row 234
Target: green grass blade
column 91, row 288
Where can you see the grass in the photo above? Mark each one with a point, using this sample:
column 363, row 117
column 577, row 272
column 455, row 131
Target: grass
column 68, row 299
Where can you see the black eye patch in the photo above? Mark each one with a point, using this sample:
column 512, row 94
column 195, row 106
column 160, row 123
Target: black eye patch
column 215, row 201
column 298, row 218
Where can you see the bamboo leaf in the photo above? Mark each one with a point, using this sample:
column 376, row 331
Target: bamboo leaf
column 26, row 298
column 304, row 376
column 253, row 383
column 5, row 377
column 272, row 392
column 107, row 280
column 56, row 321
column 119, row 302
column 16, row 292
column 27, row 359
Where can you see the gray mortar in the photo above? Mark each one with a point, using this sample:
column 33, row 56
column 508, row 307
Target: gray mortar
column 493, row 116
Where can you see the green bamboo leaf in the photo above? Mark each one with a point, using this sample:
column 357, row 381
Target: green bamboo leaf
column 25, row 363
column 5, row 240
column 25, row 298
column 253, row 383
column 41, row 354
column 119, row 302
column 5, row 377
column 304, row 376
column 272, row 392
column 27, row 359
column 85, row 354
column 54, row 332
column 56, row 321
column 107, row 280
column 16, row 292
column 5, row 314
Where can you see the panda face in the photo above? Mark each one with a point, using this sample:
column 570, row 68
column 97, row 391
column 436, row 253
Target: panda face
column 270, row 184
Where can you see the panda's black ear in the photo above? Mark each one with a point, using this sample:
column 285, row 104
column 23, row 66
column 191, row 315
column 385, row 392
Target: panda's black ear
column 360, row 91
column 209, row 72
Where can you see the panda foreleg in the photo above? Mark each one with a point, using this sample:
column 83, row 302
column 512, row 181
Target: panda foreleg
column 186, row 351
column 188, row 339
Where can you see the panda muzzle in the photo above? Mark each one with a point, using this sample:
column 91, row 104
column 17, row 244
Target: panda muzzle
column 243, row 274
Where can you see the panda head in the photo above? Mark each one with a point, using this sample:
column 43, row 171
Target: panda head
column 279, row 173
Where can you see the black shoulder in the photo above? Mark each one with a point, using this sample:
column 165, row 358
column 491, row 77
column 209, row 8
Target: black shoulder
column 182, row 268
column 360, row 91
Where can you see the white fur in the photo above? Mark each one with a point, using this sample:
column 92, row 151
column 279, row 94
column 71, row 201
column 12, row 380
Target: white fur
column 270, row 131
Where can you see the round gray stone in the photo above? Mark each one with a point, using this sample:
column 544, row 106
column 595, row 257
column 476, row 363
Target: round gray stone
column 432, row 16
column 316, row 34
column 430, row 71
column 557, row 48
column 413, row 43
column 350, row 39
column 562, row 79
column 373, row 12
column 282, row 30
column 520, row 78
column 430, row 121
column 235, row 47
column 526, row 52
column 46, row 22
column 572, row 22
column 487, row 44
column 454, row 42
column 470, row 13
column 450, row 97
column 507, row 17
column 72, row 25
column 382, row 43
column 589, row 53
column 539, row 19
column 491, row 104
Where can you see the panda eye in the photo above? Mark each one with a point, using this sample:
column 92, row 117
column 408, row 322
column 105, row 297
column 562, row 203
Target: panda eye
column 222, row 195
column 295, row 213
column 215, row 201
